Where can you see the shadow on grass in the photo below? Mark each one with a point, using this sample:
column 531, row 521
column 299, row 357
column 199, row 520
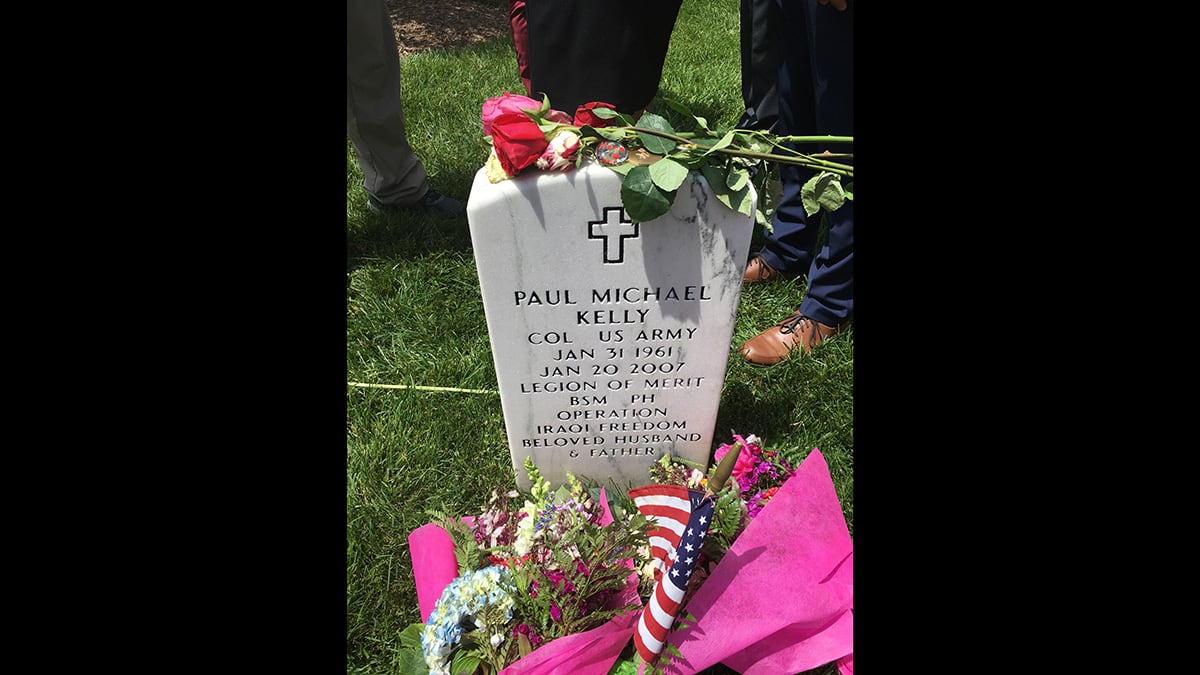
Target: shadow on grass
column 746, row 410
column 370, row 237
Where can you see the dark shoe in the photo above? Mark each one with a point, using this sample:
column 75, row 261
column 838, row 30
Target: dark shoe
column 758, row 271
column 433, row 203
column 777, row 343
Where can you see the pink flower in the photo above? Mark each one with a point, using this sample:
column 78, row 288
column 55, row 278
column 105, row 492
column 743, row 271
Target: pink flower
column 758, row 502
column 560, row 154
column 527, row 631
column 508, row 103
column 515, row 103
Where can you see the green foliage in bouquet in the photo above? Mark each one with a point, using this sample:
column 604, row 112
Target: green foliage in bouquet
column 466, row 551
column 533, row 566
column 729, row 519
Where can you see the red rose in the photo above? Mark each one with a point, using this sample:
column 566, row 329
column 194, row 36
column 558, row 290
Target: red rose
column 584, row 115
column 518, row 140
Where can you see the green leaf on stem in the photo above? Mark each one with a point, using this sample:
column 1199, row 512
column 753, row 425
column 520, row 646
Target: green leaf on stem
column 688, row 160
column 607, row 133
column 737, row 177
column 754, row 142
column 668, row 174
column 656, row 144
column 738, row 200
column 411, row 661
column 410, row 637
column 622, row 168
column 725, row 141
column 643, row 200
column 823, row 190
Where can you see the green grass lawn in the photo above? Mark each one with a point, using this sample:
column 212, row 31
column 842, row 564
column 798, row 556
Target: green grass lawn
column 414, row 320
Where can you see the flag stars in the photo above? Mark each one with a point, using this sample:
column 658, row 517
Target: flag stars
column 703, row 520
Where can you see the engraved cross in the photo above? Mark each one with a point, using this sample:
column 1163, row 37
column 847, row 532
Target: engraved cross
column 622, row 228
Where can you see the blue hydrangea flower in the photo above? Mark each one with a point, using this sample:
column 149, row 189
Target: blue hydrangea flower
column 461, row 600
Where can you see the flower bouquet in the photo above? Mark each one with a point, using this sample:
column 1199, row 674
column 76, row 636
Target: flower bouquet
column 675, row 576
column 653, row 157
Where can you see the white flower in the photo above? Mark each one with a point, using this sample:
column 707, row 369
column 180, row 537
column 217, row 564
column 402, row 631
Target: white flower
column 497, row 639
column 647, row 571
column 560, row 154
column 524, row 542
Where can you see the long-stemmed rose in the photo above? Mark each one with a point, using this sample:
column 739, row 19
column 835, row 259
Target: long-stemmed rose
column 518, row 141
column 731, row 161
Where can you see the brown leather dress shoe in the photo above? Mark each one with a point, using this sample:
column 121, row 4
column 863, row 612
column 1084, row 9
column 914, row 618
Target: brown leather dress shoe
column 758, row 271
column 777, row 343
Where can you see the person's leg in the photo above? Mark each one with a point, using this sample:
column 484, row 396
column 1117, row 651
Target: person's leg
column 520, row 38
column 760, row 63
column 789, row 244
column 830, row 296
column 392, row 173
column 825, row 56
column 815, row 97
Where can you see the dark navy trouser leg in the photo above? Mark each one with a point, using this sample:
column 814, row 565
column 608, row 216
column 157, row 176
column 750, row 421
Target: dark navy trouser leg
column 816, row 97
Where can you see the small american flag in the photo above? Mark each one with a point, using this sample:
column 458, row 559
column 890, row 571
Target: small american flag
column 680, row 518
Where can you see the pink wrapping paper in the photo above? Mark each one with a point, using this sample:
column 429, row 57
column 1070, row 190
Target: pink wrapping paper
column 591, row 652
column 780, row 600
column 846, row 663
column 433, row 562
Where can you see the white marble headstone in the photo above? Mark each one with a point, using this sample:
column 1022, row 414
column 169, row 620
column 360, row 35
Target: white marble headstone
column 610, row 338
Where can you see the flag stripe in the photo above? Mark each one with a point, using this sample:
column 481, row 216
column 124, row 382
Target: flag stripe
column 667, row 544
column 678, row 500
column 664, row 606
column 647, row 645
column 664, row 546
column 675, row 513
column 669, row 524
